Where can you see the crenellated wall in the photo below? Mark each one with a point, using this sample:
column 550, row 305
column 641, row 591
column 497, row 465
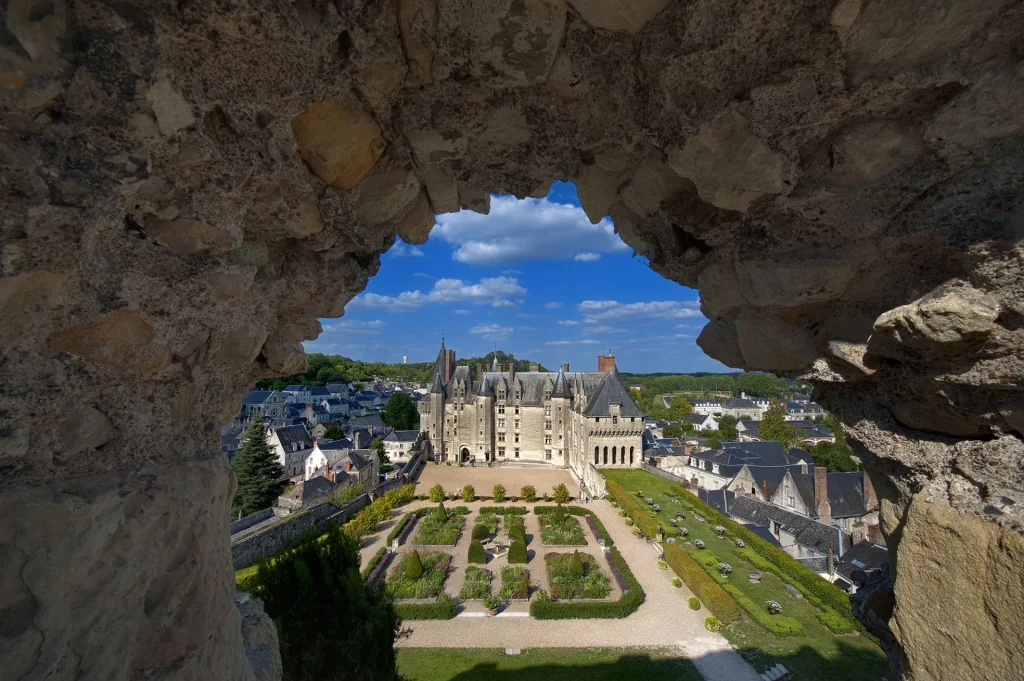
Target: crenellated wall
column 188, row 186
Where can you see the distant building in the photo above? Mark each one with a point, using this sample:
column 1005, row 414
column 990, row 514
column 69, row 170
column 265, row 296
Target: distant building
column 398, row 445
column 812, row 433
column 703, row 422
column 292, row 445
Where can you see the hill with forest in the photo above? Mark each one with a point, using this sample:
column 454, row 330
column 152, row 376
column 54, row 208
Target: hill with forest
column 322, row 369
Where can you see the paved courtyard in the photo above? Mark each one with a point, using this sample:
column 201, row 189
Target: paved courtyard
column 663, row 620
column 483, row 479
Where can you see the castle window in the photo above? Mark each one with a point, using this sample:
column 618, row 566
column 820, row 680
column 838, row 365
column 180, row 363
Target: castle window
column 501, row 408
column 517, row 437
column 615, row 419
column 517, row 452
column 547, row 411
column 501, row 423
column 501, row 451
column 517, row 423
column 547, row 425
column 547, row 454
column 517, row 409
column 547, row 439
column 501, row 437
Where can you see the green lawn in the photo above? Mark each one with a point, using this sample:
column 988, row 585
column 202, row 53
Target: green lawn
column 817, row 654
column 544, row 664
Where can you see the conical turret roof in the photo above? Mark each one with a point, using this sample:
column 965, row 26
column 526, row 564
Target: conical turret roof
column 561, row 387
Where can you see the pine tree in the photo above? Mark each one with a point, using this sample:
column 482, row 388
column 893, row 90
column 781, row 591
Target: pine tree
column 258, row 472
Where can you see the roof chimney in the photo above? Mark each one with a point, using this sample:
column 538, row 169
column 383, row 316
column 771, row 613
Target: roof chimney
column 512, row 375
column 534, row 366
column 821, row 494
column 606, row 363
column 764, row 489
column 565, row 367
column 870, row 496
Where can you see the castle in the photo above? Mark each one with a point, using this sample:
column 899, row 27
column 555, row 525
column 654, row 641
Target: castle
column 565, row 419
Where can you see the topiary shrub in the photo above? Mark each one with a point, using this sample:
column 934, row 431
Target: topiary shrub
column 576, row 564
column 560, row 494
column 437, row 494
column 662, row 565
column 441, row 513
column 693, row 602
column 468, row 493
column 413, row 565
column 622, row 513
column 517, row 552
column 480, row 532
column 559, row 513
column 677, row 583
column 712, row 624
column 629, row 522
column 476, row 552
column 498, row 493
column 528, row 493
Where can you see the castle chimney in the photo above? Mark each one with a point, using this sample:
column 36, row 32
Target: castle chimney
column 870, row 496
column 534, row 367
column 606, row 363
column 512, row 376
column 821, row 494
column 764, row 489
column 449, row 365
column 565, row 367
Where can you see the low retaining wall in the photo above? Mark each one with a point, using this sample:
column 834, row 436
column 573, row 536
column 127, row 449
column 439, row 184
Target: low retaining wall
column 275, row 538
column 666, row 475
column 250, row 520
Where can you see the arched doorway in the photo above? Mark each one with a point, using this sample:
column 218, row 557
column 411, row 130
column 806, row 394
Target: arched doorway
column 630, row 456
column 597, row 455
column 614, row 454
column 464, row 455
column 606, row 456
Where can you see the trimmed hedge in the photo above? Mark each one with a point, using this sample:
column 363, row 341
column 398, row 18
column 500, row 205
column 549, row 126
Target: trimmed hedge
column 245, row 579
column 504, row 510
column 822, row 594
column 632, row 597
column 701, row 584
column 377, row 557
column 397, row 529
column 693, row 603
column 480, row 532
column 476, row 552
column 517, row 552
column 444, row 609
column 643, row 519
column 366, row 521
column 780, row 625
column 580, row 511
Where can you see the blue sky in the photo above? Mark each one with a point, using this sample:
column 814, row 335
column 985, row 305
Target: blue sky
column 533, row 278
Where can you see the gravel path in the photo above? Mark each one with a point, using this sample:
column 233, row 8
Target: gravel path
column 483, row 479
column 664, row 619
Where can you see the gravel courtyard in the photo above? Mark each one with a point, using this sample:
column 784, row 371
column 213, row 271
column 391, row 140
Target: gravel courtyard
column 483, row 479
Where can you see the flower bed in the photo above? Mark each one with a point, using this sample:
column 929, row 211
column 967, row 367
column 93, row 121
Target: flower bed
column 561, row 532
column 434, row 531
column 595, row 523
column 632, row 596
column 490, row 521
column 647, row 523
column 515, row 583
column 477, row 584
column 565, row 584
column 445, row 608
column 435, row 570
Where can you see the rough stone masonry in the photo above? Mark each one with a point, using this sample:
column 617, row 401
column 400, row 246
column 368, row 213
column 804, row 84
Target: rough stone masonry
column 188, row 186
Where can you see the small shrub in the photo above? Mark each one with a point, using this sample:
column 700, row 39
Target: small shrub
column 712, row 624
column 701, row 584
column 468, row 493
column 637, row 532
column 560, row 494
column 491, row 602
column 662, row 565
column 476, row 552
column 498, row 493
column 629, row 522
column 622, row 513
column 480, row 532
column 517, row 552
column 613, row 503
column 441, row 513
column 677, row 583
column 437, row 493
column 528, row 493
column 693, row 603
column 576, row 564
column 559, row 513
column 414, row 566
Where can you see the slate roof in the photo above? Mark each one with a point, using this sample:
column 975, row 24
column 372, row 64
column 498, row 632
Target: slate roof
column 343, row 443
column 815, row 564
column 297, row 435
column 313, row 488
column 561, row 388
column 371, row 421
column 699, row 419
column 295, row 389
column 402, row 436
column 612, row 391
column 256, row 396
column 846, row 494
column 807, row 532
column 337, row 387
column 334, row 402
column 719, row 499
column 863, row 557
column 739, row 403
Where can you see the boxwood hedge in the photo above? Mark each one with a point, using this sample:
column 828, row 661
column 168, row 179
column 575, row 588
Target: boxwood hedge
column 584, row 512
column 444, row 609
column 632, row 597
column 701, row 584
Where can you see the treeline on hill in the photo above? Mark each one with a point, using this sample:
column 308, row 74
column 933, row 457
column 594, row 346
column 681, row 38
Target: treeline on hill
column 753, row 383
column 323, row 369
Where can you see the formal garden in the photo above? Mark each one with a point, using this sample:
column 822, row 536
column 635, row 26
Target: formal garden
column 767, row 604
column 515, row 583
column 575, row 575
column 477, row 584
column 560, row 529
column 419, row 575
column 441, row 527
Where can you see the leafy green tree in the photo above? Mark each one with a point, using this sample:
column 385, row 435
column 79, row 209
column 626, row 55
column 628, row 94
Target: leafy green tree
column 560, row 495
column 672, row 430
column 330, row 625
column 528, row 493
column 436, row 493
column 468, row 493
column 836, row 457
column 774, row 426
column 498, row 493
column 727, row 427
column 348, row 494
column 680, row 409
column 714, row 443
column 258, row 471
column 333, row 433
column 400, row 412
column 377, row 445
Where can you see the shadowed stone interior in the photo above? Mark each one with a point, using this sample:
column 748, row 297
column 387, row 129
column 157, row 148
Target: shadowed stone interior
column 188, row 186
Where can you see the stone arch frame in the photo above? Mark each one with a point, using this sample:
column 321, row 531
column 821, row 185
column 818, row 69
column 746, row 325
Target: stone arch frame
column 614, row 451
column 597, row 454
column 155, row 227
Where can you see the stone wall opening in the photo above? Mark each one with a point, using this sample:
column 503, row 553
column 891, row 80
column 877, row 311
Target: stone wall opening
column 189, row 186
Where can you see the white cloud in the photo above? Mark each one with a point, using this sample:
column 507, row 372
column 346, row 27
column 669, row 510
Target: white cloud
column 585, row 341
column 672, row 337
column 524, row 315
column 355, row 326
column 460, row 311
column 586, row 257
column 603, row 329
column 552, row 306
column 492, row 331
column 511, row 273
column 569, row 322
column 520, row 230
column 491, row 291
column 401, row 250
column 612, row 311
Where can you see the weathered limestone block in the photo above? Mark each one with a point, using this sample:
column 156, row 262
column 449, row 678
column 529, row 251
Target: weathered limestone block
column 943, row 321
column 851, row 354
column 596, row 188
column 417, row 23
column 86, row 428
column 992, row 107
column 719, row 340
column 476, row 200
column 38, row 29
column 653, row 182
column 385, row 195
column 416, row 225
column 431, row 146
column 731, row 166
column 1013, row 414
column 618, row 15
column 242, row 345
column 111, row 341
column 935, row 413
column 799, row 276
column 191, row 237
column 283, row 350
column 959, row 595
column 340, row 145
column 382, row 76
column 773, row 345
column 506, row 126
column 259, row 639
column 868, row 151
column 720, row 289
column 442, row 190
column 565, row 80
column 308, row 220
column 27, row 297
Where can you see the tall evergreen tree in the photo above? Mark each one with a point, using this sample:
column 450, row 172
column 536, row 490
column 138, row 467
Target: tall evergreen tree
column 400, row 412
column 258, row 472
